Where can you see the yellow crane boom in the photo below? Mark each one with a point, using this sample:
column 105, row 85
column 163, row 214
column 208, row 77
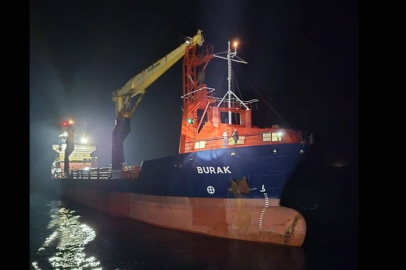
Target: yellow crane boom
column 137, row 85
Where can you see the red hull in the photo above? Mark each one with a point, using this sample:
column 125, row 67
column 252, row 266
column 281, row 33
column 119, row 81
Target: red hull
column 243, row 219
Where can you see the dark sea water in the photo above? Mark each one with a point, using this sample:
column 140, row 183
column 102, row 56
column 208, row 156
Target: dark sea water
column 65, row 235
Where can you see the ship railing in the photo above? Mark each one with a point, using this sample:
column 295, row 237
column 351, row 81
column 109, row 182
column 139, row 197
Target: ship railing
column 96, row 173
column 234, row 103
column 199, row 94
column 206, row 51
column 58, row 175
column 263, row 138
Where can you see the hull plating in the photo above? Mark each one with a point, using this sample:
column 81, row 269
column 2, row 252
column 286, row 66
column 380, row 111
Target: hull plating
column 259, row 220
column 232, row 193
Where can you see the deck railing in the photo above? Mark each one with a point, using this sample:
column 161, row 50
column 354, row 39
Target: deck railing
column 251, row 140
column 96, row 173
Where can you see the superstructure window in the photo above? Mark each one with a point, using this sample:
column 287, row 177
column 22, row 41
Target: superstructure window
column 276, row 137
column 272, row 136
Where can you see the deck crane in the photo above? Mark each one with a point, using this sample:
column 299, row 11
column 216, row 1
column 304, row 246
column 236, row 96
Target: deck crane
column 136, row 86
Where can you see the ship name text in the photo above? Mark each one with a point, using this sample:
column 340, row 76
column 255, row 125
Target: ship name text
column 213, row 170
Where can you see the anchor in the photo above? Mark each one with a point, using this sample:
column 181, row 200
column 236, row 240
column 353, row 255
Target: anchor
column 239, row 187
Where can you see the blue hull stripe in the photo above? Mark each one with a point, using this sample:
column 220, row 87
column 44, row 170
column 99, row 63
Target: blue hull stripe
column 207, row 174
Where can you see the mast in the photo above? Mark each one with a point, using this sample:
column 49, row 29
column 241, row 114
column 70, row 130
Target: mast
column 229, row 80
column 230, row 57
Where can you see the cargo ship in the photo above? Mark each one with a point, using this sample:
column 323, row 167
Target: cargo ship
column 227, row 179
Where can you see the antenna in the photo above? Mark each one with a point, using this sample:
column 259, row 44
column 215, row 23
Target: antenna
column 230, row 57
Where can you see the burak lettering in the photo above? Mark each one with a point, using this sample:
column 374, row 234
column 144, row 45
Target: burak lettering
column 213, row 170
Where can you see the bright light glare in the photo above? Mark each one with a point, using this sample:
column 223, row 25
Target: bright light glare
column 235, row 43
column 83, row 140
column 71, row 122
column 280, row 133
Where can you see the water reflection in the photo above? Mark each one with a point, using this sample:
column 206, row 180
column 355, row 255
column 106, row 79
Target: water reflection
column 66, row 244
column 124, row 244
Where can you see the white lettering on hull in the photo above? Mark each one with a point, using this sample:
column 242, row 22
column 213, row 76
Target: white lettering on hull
column 213, row 170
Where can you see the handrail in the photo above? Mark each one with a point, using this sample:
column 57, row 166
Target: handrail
column 251, row 139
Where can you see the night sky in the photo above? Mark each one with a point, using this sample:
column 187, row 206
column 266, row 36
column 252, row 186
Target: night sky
column 302, row 61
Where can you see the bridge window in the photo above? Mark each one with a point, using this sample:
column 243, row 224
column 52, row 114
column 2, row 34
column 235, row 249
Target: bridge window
column 200, row 144
column 271, row 136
